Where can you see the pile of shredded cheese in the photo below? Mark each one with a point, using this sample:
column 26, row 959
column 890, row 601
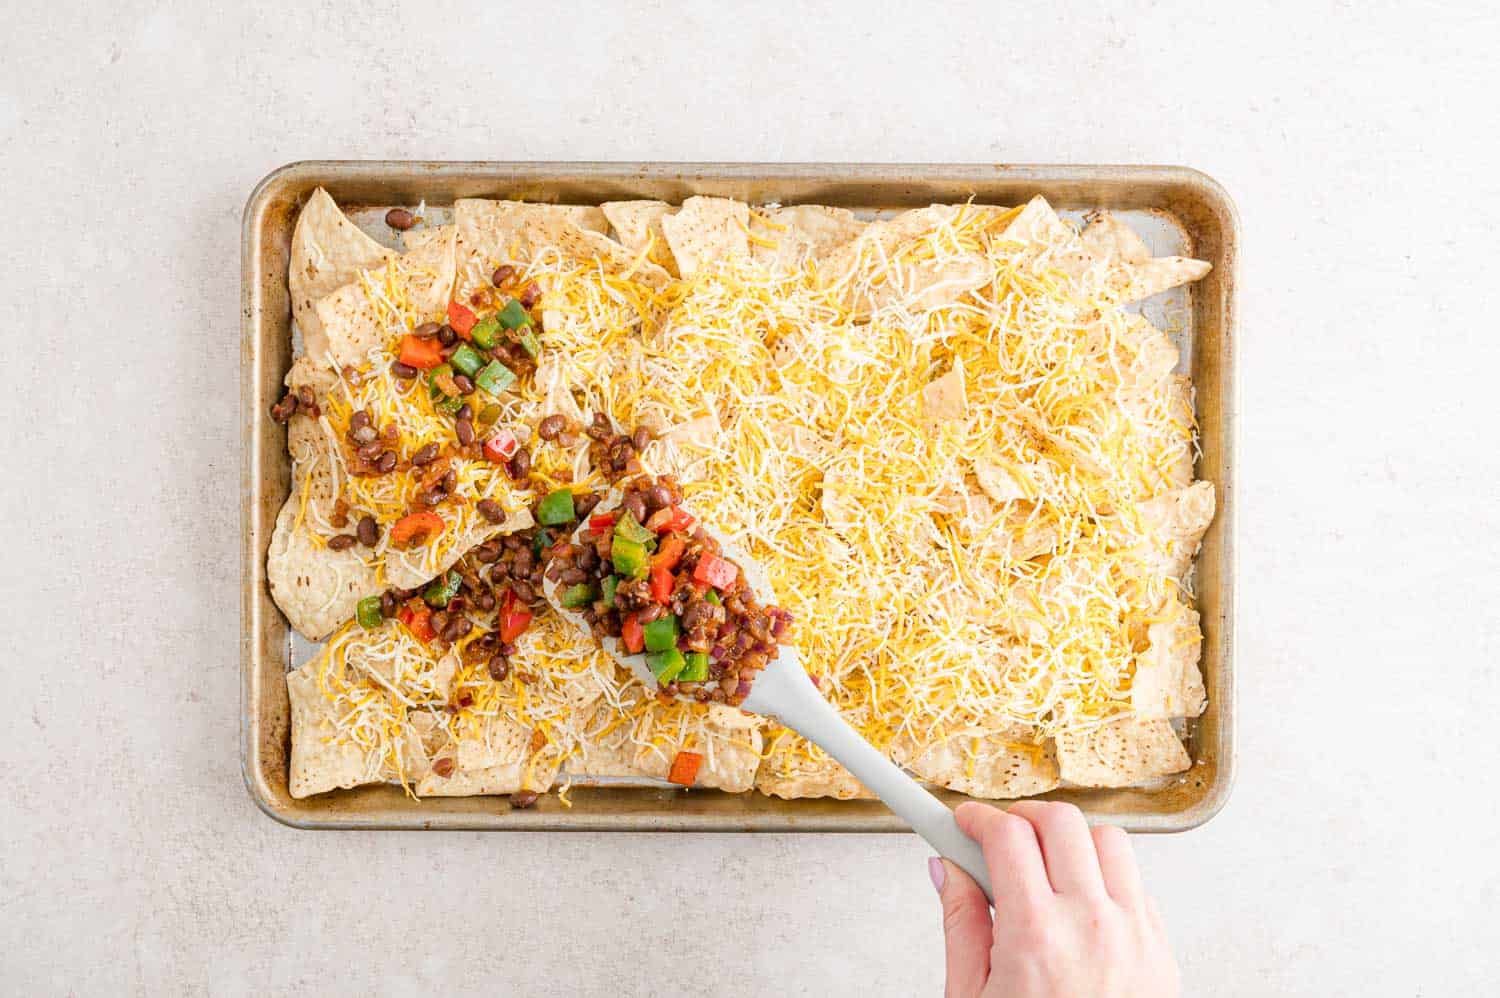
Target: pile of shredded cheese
column 943, row 497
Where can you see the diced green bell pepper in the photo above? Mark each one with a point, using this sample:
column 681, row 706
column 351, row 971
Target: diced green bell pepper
column 579, row 596
column 486, row 332
column 513, row 315
column 448, row 406
column 367, row 612
column 611, row 583
column 442, row 589
column 629, row 528
column 530, row 343
column 661, row 633
column 665, row 665
column 433, row 391
column 467, row 360
column 490, row 414
column 541, row 542
column 713, row 597
column 556, row 508
column 629, row 557
column 696, row 670
column 494, row 378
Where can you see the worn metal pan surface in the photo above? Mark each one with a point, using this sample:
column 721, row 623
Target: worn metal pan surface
column 1176, row 206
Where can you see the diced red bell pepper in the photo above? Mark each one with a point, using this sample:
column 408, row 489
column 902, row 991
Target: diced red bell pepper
column 417, row 616
column 514, row 617
column 681, row 521
column 633, row 635
column 662, row 583
column 601, row 523
column 715, row 571
column 461, row 319
column 684, row 768
column 501, row 446
column 425, row 523
column 419, row 353
column 669, row 554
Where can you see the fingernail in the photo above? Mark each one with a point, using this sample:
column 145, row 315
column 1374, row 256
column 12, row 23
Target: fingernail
column 938, row 872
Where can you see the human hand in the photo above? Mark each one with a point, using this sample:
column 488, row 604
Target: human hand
column 1072, row 917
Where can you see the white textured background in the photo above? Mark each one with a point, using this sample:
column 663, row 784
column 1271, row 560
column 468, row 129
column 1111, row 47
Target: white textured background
column 1359, row 852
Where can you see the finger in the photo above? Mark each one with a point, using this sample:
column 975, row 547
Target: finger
column 1067, row 847
column 1011, row 852
column 967, row 931
column 1122, row 877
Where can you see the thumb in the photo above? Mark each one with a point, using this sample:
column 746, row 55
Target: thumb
column 967, row 930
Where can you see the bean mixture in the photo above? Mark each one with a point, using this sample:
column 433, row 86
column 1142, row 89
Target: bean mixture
column 648, row 574
column 465, row 365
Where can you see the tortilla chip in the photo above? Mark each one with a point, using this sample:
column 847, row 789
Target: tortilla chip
column 498, row 760
column 353, row 322
column 637, row 225
column 799, row 231
column 728, row 740
column 328, row 251
column 944, row 397
column 316, row 587
column 494, row 232
column 1003, row 764
column 1122, row 753
column 321, row 761
column 1167, row 681
column 707, row 230
column 879, row 268
column 789, row 772
column 1147, row 356
column 583, row 244
column 998, row 481
column 1178, row 520
column 1134, row 273
column 410, row 569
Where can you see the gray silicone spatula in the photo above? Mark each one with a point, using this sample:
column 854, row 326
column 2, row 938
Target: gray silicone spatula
column 784, row 692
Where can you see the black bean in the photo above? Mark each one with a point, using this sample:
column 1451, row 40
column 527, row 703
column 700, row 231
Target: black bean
column 520, row 465
column 358, row 419
column 439, row 620
column 425, row 455
column 529, row 295
column 341, row 542
column 635, row 506
column 490, row 510
column 640, row 438
column 457, row 627
column 525, row 591
column 403, row 371
column 465, row 411
column 657, row 497
column 368, row 531
column 485, row 601
column 499, row 668
column 457, row 605
column 550, row 427
column 450, row 480
column 388, row 604
column 487, row 552
column 400, row 218
column 371, row 450
column 284, row 410
column 446, row 336
column 502, row 273
column 465, row 385
column 465, row 431
column 523, row 798
column 387, row 462
column 427, row 330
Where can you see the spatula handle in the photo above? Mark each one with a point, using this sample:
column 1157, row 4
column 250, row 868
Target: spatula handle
column 816, row 719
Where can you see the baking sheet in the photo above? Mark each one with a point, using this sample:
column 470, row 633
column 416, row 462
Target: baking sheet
column 1177, row 212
